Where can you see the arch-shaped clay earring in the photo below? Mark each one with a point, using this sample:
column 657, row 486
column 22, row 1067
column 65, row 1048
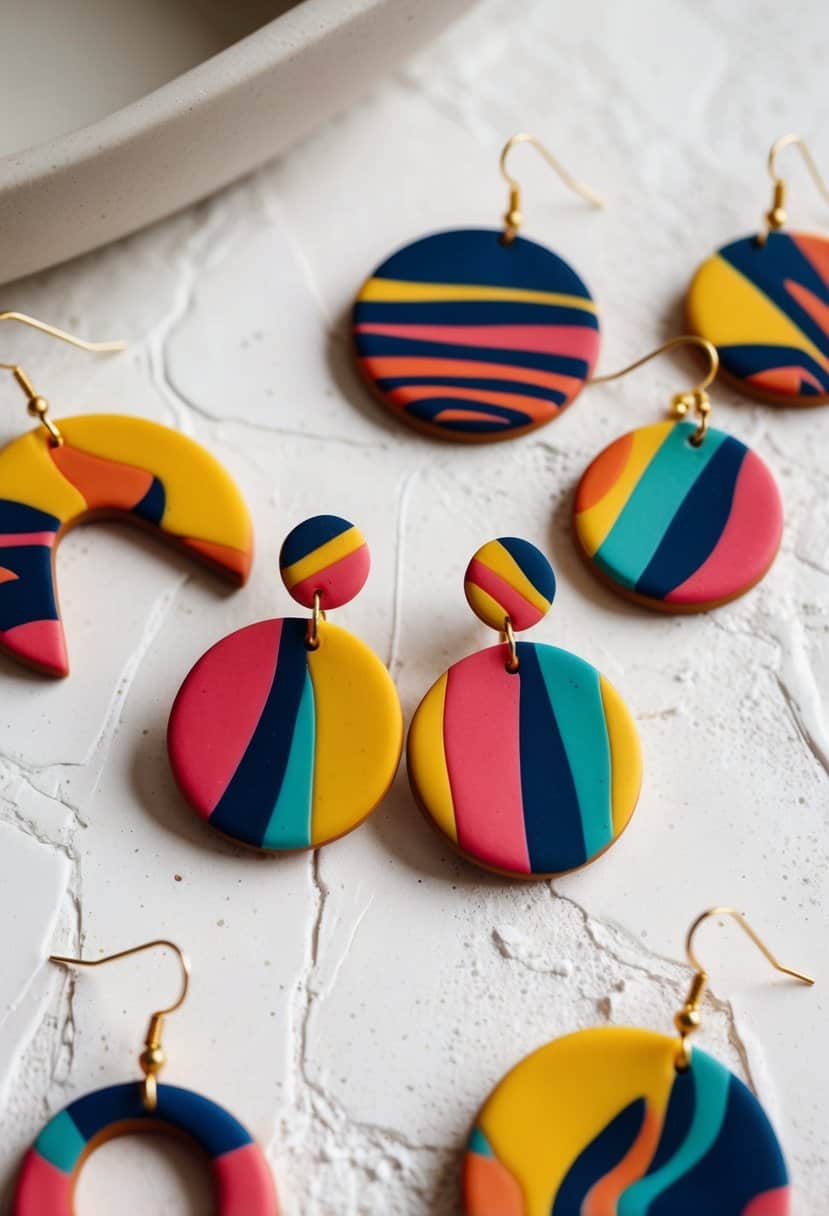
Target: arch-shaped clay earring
column 287, row 734
column 101, row 466
column 522, row 755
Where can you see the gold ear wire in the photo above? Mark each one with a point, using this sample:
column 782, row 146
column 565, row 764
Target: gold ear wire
column 696, row 398
column 38, row 406
column 152, row 1058
column 513, row 218
column 689, row 1019
column 776, row 216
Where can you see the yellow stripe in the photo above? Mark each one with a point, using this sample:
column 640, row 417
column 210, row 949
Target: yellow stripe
column 594, row 524
column 426, row 758
column 29, row 475
column 501, row 562
column 625, row 756
column 726, row 307
column 392, row 290
column 486, row 609
column 323, row 557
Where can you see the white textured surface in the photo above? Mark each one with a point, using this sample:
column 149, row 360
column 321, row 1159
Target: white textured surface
column 354, row 1008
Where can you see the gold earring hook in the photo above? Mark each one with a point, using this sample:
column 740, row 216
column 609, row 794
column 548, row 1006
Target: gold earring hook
column 513, row 219
column 776, row 216
column 695, row 398
column 152, row 1058
column 688, row 1019
column 38, row 406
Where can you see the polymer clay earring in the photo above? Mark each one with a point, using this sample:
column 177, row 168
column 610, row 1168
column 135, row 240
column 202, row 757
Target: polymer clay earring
column 242, row 1179
column 763, row 301
column 287, row 734
column 101, row 466
column 523, row 756
column 676, row 515
column 628, row 1121
column 478, row 334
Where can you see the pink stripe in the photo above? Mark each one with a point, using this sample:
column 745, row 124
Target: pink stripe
column 339, row 582
column 748, row 543
column 42, row 1189
column 12, row 540
column 522, row 613
column 217, row 710
column 39, row 643
column 577, row 341
column 770, row 1203
column 244, row 1183
column 481, row 739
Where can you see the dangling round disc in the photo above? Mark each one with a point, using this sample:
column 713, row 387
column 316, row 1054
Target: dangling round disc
column 470, row 339
column 531, row 773
column 281, row 747
column 602, row 1121
column 675, row 526
column 765, row 306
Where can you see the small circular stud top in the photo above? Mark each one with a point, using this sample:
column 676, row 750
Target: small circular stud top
column 324, row 554
column 509, row 577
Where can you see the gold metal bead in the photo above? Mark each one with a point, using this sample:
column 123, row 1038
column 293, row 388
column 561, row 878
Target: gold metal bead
column 152, row 1060
column 776, row 218
column 38, row 407
column 687, row 1020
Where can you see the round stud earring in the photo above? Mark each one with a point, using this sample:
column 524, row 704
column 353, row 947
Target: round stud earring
column 475, row 334
column 287, row 734
column 523, row 756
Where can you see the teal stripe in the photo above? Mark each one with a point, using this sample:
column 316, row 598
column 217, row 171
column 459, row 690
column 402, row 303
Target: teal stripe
column 711, row 1083
column 289, row 826
column 576, row 697
column 657, row 496
column 60, row 1143
column 479, row 1144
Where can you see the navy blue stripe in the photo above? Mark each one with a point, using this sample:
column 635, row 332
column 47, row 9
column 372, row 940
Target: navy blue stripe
column 532, row 563
column 678, row 1116
column 247, row 804
column 695, row 530
column 472, row 382
column 310, row 535
column 17, row 517
column 215, row 1130
column 151, row 507
column 427, row 409
column 477, row 256
column 750, row 358
column 470, row 312
column 31, row 596
column 601, row 1155
column 377, row 344
column 769, row 265
column 552, row 819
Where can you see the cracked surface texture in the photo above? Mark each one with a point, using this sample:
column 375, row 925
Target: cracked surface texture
column 355, row 1007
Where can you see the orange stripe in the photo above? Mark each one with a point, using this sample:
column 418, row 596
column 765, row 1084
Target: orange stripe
column 533, row 406
column 602, row 1198
column 383, row 367
column 603, row 473
column 470, row 416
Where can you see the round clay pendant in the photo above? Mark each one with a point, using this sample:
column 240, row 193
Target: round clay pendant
column 765, row 306
column 678, row 526
column 531, row 772
column 602, row 1122
column 281, row 743
column 471, row 339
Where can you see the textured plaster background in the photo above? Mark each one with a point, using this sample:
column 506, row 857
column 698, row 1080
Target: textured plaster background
column 354, row 1008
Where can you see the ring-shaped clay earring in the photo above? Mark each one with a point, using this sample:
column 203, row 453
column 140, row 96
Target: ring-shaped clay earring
column 477, row 334
column 763, row 301
column 523, row 756
column 287, row 734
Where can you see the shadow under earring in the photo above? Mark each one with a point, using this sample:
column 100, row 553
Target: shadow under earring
column 478, row 334
column 763, row 301
column 523, row 755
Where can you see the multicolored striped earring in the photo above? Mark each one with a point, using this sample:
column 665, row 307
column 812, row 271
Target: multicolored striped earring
column 287, row 734
column 679, row 516
column 626, row 1120
column 764, row 302
column 241, row 1175
column 475, row 334
column 523, row 756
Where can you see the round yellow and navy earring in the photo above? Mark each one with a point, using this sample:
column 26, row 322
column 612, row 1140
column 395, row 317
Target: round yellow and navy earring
column 478, row 334
column 522, row 755
column 677, row 515
column 763, row 301
column 627, row 1120
column 287, row 734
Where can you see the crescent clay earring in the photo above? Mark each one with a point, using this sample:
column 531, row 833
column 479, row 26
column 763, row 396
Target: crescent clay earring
column 523, row 756
column 679, row 516
column 763, row 301
column 478, row 334
column 287, row 734
column 626, row 1121
column 242, row 1180
column 100, row 466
